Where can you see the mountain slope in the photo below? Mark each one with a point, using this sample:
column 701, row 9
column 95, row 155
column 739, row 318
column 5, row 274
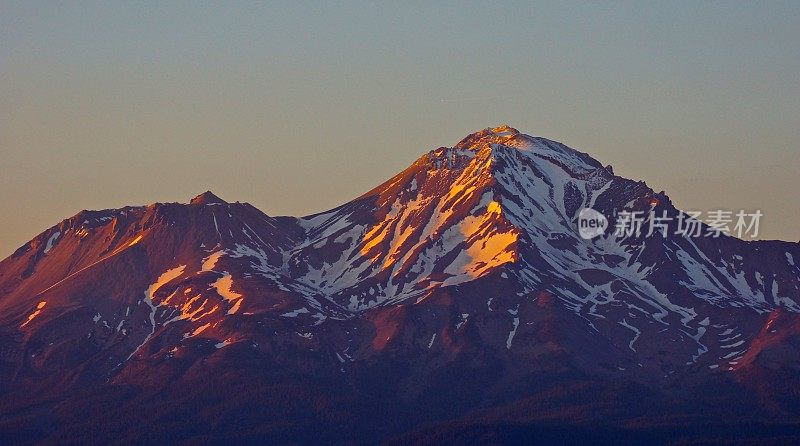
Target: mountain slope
column 458, row 289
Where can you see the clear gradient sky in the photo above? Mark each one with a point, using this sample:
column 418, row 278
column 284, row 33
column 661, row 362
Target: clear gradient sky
column 297, row 108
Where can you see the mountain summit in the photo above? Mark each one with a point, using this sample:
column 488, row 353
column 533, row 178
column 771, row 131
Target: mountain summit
column 207, row 197
column 459, row 289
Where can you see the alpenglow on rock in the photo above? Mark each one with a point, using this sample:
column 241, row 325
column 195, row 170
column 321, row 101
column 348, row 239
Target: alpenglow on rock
column 462, row 288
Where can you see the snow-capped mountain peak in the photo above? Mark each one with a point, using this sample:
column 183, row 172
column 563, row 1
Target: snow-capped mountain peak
column 479, row 240
column 466, row 265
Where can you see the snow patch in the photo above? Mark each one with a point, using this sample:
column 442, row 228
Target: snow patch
column 35, row 313
column 211, row 261
column 166, row 277
column 295, row 313
column 512, row 333
column 635, row 330
column 51, row 241
column 224, row 285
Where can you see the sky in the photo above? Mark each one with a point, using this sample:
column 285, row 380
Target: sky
column 299, row 107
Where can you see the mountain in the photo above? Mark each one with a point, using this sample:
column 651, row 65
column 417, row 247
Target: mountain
column 455, row 301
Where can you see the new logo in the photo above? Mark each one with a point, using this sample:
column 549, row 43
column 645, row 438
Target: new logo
column 591, row 223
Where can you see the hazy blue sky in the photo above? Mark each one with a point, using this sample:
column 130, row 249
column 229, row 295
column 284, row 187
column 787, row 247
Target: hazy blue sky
column 297, row 107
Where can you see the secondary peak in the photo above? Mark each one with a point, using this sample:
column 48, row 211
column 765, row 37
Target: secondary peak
column 207, row 197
